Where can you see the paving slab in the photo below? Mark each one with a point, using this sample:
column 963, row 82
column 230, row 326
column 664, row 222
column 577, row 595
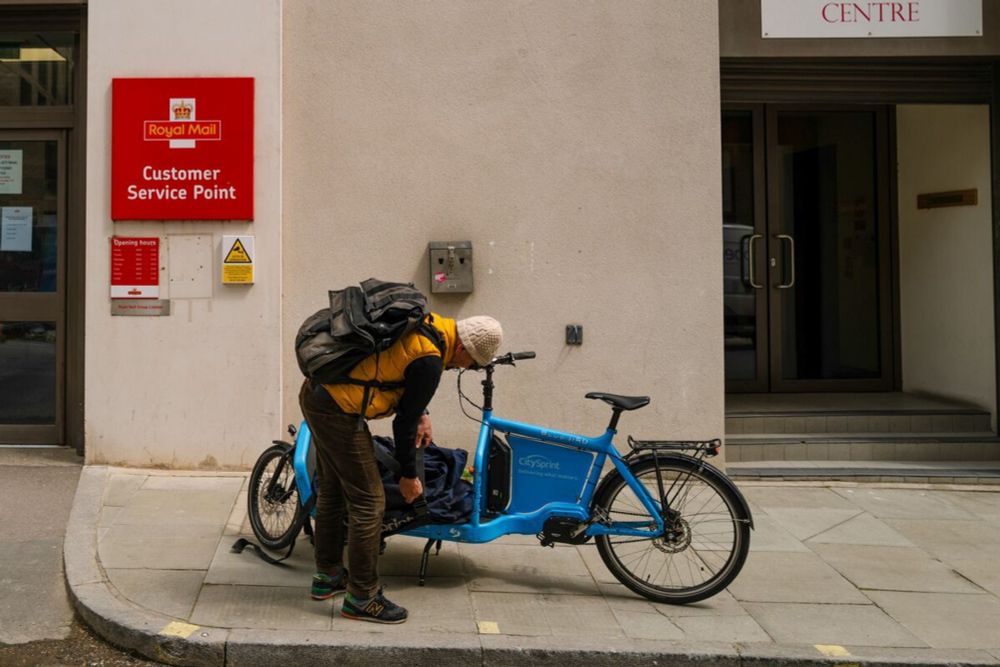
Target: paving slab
column 905, row 504
column 950, row 541
column 526, row 570
column 945, row 620
column 168, row 507
column 442, row 606
column 121, row 487
column 735, row 629
column 840, row 624
column 983, row 504
column 150, row 546
column 647, row 625
column 982, row 572
column 31, row 571
column 169, row 592
column 806, row 523
column 862, row 529
column 769, row 535
column 721, row 604
column 784, row 497
column 893, row 568
column 248, row 569
column 265, row 607
column 793, row 577
column 564, row 616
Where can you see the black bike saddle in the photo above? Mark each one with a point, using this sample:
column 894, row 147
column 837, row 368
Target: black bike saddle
column 621, row 402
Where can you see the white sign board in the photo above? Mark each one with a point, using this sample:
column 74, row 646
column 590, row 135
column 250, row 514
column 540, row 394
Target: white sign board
column 915, row 18
column 15, row 229
column 10, row 171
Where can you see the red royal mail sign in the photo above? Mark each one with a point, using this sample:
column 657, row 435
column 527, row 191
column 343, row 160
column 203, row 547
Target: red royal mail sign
column 182, row 149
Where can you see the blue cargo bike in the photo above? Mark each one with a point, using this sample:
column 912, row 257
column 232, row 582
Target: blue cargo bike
column 667, row 524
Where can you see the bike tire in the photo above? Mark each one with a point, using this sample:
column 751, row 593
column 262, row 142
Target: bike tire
column 694, row 548
column 275, row 524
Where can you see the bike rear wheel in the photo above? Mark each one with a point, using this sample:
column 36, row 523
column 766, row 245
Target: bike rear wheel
column 706, row 540
column 276, row 515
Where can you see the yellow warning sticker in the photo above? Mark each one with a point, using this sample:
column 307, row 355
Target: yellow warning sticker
column 237, row 259
column 488, row 627
column 237, row 273
column 178, row 629
column 237, row 254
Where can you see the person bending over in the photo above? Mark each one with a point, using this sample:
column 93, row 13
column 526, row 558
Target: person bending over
column 347, row 474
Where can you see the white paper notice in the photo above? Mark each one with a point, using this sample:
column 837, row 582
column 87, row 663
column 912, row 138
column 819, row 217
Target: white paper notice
column 15, row 229
column 10, row 171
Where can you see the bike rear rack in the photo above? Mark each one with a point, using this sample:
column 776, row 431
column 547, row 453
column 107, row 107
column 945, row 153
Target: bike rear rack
column 707, row 448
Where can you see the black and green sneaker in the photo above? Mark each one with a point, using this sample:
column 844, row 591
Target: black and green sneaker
column 375, row 610
column 325, row 586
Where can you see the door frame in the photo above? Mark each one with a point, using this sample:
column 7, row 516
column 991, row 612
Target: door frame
column 761, row 296
column 766, row 212
column 44, row 306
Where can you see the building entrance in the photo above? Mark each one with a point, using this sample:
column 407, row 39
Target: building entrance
column 32, row 326
column 806, row 248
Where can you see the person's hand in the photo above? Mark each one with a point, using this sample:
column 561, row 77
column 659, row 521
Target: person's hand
column 424, row 433
column 411, row 488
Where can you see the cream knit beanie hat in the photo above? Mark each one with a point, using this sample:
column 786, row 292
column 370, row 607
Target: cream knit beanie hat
column 481, row 336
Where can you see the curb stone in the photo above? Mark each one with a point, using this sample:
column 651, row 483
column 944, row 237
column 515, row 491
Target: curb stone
column 174, row 642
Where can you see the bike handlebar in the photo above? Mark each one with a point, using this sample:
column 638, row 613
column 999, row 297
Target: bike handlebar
column 511, row 357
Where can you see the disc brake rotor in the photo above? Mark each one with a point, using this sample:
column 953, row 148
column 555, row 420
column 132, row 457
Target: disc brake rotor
column 676, row 538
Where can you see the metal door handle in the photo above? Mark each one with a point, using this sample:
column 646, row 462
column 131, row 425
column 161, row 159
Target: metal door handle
column 791, row 260
column 750, row 259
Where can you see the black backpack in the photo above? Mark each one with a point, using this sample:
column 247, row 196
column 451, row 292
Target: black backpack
column 361, row 321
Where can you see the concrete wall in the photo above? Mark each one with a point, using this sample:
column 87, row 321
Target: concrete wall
column 575, row 144
column 739, row 31
column 946, row 261
column 202, row 386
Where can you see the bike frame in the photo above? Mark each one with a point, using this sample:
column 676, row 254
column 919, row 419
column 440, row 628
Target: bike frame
column 481, row 529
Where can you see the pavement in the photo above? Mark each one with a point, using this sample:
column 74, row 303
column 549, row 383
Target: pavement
column 838, row 573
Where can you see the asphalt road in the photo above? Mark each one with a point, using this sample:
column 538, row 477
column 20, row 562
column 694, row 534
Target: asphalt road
column 37, row 624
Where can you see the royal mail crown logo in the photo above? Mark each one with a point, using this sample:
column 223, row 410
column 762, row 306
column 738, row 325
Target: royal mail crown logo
column 182, row 129
column 183, row 111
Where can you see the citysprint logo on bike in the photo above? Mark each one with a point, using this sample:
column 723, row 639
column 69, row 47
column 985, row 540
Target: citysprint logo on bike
column 538, row 462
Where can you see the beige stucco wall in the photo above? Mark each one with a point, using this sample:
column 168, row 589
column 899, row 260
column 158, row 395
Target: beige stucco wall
column 945, row 254
column 575, row 144
column 202, row 386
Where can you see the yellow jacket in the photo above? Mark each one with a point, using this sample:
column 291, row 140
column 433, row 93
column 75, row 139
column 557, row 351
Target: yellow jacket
column 390, row 366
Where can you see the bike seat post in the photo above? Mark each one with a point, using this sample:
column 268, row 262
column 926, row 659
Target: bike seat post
column 615, row 414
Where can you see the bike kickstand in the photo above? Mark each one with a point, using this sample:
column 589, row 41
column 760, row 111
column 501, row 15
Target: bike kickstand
column 423, row 561
column 437, row 550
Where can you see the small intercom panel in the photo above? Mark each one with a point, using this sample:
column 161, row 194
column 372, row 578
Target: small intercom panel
column 451, row 266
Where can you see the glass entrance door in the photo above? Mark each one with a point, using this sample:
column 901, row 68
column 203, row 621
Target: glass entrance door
column 805, row 201
column 32, row 229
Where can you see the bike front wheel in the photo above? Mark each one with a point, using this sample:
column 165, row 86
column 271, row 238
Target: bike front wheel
column 707, row 534
column 276, row 515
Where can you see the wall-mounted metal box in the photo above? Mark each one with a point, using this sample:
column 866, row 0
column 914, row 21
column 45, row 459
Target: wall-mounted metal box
column 451, row 266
